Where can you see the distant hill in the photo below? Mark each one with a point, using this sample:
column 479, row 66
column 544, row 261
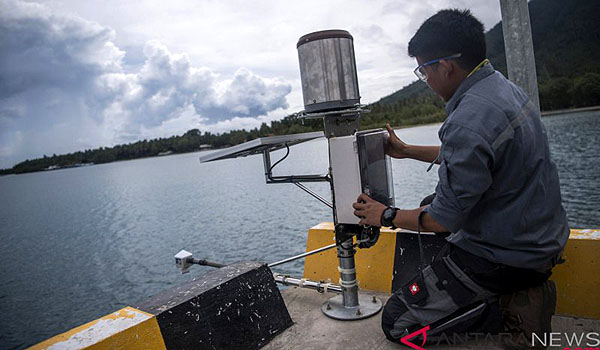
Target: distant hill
column 566, row 41
column 414, row 89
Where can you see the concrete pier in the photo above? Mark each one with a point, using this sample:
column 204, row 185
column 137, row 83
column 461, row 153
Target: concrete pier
column 313, row 330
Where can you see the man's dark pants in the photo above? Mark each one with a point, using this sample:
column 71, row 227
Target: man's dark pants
column 455, row 280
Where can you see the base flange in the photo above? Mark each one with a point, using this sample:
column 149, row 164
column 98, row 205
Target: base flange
column 367, row 307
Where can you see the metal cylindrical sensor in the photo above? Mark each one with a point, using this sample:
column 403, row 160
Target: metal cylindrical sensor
column 328, row 71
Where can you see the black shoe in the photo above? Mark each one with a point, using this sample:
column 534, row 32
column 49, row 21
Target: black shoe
column 526, row 312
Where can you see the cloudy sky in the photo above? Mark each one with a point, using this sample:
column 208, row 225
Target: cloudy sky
column 83, row 74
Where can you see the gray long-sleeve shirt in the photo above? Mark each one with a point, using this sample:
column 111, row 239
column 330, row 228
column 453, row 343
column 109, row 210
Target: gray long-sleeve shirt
column 498, row 190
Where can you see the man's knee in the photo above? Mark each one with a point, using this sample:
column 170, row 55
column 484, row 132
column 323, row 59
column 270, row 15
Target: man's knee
column 395, row 318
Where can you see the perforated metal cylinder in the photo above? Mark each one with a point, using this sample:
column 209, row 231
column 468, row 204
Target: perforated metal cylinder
column 328, row 71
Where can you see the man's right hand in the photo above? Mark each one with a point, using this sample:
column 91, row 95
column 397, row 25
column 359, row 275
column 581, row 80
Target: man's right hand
column 395, row 147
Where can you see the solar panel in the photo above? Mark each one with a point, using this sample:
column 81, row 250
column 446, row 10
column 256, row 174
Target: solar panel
column 259, row 145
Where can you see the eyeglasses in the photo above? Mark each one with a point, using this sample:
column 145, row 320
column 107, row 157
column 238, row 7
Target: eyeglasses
column 420, row 70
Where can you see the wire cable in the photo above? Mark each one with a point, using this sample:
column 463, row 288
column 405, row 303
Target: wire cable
column 270, row 174
column 284, row 157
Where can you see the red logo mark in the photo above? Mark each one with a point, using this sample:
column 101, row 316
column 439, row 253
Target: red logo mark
column 414, row 288
column 404, row 339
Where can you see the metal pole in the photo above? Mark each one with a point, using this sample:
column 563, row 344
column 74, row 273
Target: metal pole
column 207, row 263
column 299, row 256
column 296, row 257
column 304, row 283
column 267, row 164
column 347, row 270
column 518, row 46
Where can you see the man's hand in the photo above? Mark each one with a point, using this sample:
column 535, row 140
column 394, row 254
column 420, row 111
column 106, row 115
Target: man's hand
column 395, row 147
column 368, row 210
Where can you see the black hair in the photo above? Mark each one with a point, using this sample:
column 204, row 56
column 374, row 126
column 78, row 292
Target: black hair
column 449, row 32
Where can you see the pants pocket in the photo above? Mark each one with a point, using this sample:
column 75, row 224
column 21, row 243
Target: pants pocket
column 447, row 281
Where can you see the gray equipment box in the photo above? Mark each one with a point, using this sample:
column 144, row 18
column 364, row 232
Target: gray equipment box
column 359, row 165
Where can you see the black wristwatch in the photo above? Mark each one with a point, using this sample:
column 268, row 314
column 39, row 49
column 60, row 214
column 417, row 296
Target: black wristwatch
column 387, row 217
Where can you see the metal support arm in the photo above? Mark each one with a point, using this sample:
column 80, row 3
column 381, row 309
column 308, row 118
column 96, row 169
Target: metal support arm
column 303, row 255
column 314, row 194
column 270, row 179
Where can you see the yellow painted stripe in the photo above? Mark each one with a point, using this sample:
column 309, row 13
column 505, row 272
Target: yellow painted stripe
column 577, row 280
column 374, row 266
column 593, row 234
column 128, row 328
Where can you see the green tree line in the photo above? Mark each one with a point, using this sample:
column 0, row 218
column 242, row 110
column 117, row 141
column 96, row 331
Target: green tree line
column 418, row 111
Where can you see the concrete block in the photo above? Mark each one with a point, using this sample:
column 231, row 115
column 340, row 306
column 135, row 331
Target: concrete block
column 235, row 307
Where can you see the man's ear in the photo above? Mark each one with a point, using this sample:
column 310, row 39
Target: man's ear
column 448, row 67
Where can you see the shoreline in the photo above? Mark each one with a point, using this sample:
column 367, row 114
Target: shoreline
column 570, row 110
column 543, row 114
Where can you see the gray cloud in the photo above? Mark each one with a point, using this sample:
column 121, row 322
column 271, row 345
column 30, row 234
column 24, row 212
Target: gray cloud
column 60, row 73
column 167, row 84
column 247, row 95
column 371, row 32
column 42, row 51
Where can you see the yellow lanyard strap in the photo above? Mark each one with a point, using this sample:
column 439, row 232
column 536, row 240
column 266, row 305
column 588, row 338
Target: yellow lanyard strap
column 483, row 63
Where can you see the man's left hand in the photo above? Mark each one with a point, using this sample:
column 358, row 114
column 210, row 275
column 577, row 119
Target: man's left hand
column 368, row 210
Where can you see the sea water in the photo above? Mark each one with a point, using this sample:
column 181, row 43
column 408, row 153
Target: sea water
column 77, row 244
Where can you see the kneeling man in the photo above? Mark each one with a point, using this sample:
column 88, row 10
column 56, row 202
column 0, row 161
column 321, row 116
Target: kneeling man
column 498, row 191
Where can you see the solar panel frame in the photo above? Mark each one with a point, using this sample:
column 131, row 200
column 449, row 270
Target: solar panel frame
column 258, row 146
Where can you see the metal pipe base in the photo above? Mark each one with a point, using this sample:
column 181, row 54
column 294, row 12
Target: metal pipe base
column 367, row 307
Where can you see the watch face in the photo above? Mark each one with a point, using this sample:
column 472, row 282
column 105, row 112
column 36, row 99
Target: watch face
column 388, row 216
